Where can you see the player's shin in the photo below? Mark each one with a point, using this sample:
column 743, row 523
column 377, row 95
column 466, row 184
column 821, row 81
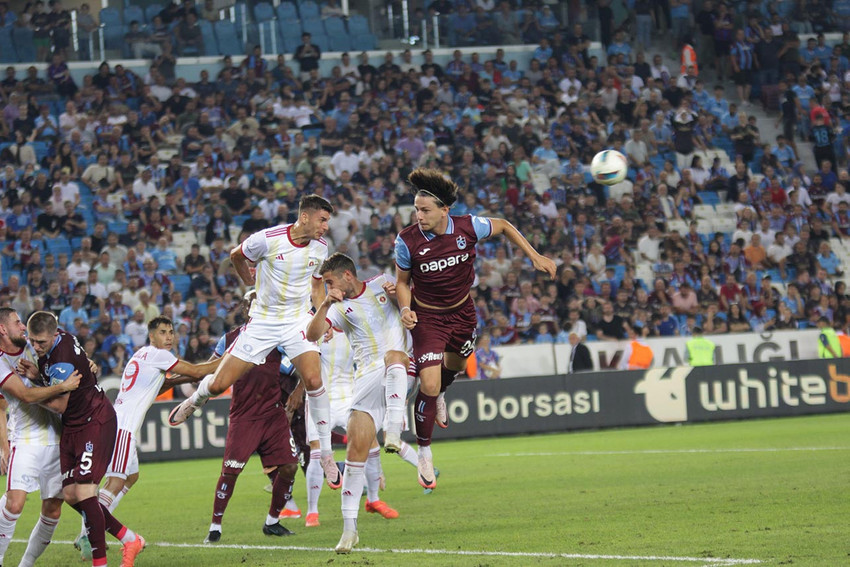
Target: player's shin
column 314, row 482
column 396, row 392
column 223, row 492
column 92, row 513
column 8, row 521
column 425, row 411
column 40, row 538
column 281, row 492
column 202, row 394
column 352, row 490
column 374, row 472
column 319, row 406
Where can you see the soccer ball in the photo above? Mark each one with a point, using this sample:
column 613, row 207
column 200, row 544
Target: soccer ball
column 609, row 167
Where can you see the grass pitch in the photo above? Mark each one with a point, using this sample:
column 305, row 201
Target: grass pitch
column 768, row 491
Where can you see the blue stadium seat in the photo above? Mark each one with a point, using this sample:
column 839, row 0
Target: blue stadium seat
column 290, row 29
column 41, row 150
column 290, row 44
column 136, row 13
column 181, row 283
column 358, row 25
column 8, row 53
column 322, row 41
column 263, row 12
column 22, row 38
column 709, row 197
column 309, row 9
column 228, row 42
column 118, row 227
column 151, row 11
column 334, row 26
column 287, row 11
column 270, row 29
column 110, row 17
column 340, row 41
column 313, row 26
column 210, row 43
column 239, row 220
column 364, row 42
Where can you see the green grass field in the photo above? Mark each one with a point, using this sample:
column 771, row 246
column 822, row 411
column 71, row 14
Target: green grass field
column 771, row 491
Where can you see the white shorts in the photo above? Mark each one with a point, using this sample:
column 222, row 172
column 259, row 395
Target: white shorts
column 35, row 467
column 260, row 337
column 125, row 458
column 339, row 419
column 370, row 395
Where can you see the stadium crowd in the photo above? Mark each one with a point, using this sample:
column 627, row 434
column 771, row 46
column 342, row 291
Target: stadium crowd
column 103, row 181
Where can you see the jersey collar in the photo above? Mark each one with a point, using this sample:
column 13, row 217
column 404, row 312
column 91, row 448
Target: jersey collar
column 450, row 228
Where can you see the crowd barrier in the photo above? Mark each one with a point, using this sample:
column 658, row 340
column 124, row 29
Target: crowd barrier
column 551, row 403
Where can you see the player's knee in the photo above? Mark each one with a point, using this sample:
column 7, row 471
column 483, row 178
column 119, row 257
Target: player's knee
column 51, row 508
column 131, row 480
column 15, row 503
column 288, row 471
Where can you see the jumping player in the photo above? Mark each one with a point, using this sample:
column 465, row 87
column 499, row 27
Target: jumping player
column 88, row 435
column 258, row 422
column 33, row 434
column 372, row 324
column 435, row 269
column 287, row 258
column 143, row 380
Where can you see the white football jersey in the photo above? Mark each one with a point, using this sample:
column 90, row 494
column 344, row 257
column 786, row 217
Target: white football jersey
column 143, row 377
column 337, row 368
column 28, row 424
column 285, row 271
column 372, row 323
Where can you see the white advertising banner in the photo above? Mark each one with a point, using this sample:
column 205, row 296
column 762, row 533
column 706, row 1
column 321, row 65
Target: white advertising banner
column 541, row 360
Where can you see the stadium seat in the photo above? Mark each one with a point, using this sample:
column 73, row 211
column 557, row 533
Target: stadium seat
column 151, row 11
column 24, row 47
column 709, row 197
column 322, row 41
column 334, row 26
column 181, row 283
column 290, row 44
column 314, row 27
column 228, row 42
column 308, row 10
column 340, row 41
column 358, row 25
column 287, row 11
column 290, row 30
column 134, row 13
column 118, row 227
column 8, row 53
column 263, row 12
column 271, row 40
column 704, row 211
column 210, row 43
column 110, row 17
column 365, row 42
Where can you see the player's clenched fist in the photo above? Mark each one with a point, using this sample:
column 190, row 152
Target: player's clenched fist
column 408, row 318
column 334, row 295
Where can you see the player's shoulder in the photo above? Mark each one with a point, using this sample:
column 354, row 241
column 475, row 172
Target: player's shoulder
column 279, row 231
column 409, row 231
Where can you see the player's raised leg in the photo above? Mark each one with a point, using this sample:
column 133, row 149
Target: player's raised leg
column 231, row 369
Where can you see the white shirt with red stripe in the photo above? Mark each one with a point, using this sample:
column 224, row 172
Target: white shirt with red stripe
column 143, row 377
column 284, row 273
column 28, row 424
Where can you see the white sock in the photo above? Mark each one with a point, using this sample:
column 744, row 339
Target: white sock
column 40, row 537
column 315, row 480
column 106, row 498
column 291, row 505
column 271, row 520
column 202, row 394
column 215, row 528
column 396, row 396
column 352, row 490
column 128, row 536
column 424, row 451
column 118, row 498
column 8, row 521
column 408, row 454
column 320, row 412
column 373, row 474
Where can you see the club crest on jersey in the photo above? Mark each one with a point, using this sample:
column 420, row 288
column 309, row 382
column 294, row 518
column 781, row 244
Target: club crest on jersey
column 89, row 447
column 382, row 299
column 461, row 242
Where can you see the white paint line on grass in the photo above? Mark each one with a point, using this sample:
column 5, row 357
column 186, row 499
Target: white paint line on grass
column 672, row 451
column 712, row 561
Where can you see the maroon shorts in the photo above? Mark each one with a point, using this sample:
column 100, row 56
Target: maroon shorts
column 270, row 438
column 437, row 332
column 85, row 452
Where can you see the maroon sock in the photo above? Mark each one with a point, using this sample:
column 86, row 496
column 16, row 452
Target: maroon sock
column 446, row 378
column 281, row 491
column 426, row 411
column 115, row 528
column 223, row 492
column 92, row 513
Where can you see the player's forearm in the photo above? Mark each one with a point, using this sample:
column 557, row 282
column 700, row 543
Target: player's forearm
column 501, row 226
column 57, row 405
column 38, row 395
column 240, row 264
column 318, row 324
column 318, row 293
column 177, row 381
column 404, row 295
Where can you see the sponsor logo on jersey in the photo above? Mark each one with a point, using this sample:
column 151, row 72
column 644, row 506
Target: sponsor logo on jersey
column 279, row 257
column 424, row 251
column 231, row 464
column 443, row 263
column 461, row 242
column 430, row 356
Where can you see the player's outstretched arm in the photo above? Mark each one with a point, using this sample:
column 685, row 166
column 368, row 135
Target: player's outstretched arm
column 196, row 371
column 240, row 264
column 541, row 262
column 319, row 323
column 15, row 387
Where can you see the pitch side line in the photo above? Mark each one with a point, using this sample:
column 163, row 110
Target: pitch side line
column 702, row 560
column 671, row 451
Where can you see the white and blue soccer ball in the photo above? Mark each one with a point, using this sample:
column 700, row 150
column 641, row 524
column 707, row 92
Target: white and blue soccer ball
column 609, row 167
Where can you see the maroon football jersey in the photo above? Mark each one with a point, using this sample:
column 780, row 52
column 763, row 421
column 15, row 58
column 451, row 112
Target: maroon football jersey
column 442, row 268
column 88, row 402
column 256, row 395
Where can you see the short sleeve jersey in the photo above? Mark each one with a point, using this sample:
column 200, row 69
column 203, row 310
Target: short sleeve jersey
column 442, row 267
column 29, row 424
column 258, row 394
column 143, row 377
column 284, row 273
column 88, row 402
column 338, row 367
column 372, row 324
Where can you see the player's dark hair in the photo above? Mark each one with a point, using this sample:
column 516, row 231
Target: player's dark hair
column 433, row 183
column 42, row 322
column 314, row 203
column 5, row 313
column 157, row 321
column 338, row 262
